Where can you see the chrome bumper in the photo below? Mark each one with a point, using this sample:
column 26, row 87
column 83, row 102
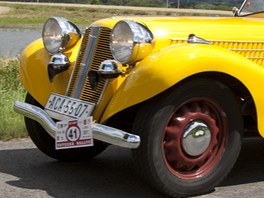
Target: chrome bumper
column 100, row 132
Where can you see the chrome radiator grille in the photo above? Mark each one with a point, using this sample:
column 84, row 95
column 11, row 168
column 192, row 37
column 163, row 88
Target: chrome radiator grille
column 94, row 49
column 251, row 50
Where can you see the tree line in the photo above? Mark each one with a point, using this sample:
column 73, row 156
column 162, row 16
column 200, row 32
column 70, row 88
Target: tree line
column 196, row 4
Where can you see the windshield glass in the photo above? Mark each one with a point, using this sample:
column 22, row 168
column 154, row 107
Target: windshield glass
column 252, row 6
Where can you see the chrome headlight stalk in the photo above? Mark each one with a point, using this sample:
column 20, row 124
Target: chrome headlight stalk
column 130, row 42
column 109, row 69
column 59, row 34
column 58, row 63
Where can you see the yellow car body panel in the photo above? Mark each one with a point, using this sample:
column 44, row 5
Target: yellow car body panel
column 211, row 28
column 34, row 75
column 167, row 64
column 166, row 67
column 33, row 71
column 192, row 60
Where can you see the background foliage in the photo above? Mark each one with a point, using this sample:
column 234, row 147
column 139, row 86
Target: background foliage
column 11, row 123
column 199, row 4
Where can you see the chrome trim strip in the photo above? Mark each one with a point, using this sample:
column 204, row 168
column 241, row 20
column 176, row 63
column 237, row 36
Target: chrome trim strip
column 195, row 39
column 86, row 62
column 100, row 132
column 71, row 77
column 230, row 41
column 241, row 8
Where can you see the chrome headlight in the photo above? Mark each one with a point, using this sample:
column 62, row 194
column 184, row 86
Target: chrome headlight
column 130, row 41
column 59, row 34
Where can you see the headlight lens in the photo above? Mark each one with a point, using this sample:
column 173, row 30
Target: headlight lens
column 130, row 41
column 59, row 34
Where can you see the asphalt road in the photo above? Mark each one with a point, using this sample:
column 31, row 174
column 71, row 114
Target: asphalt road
column 26, row 172
column 14, row 40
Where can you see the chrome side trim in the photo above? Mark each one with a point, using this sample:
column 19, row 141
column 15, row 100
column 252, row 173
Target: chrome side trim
column 228, row 41
column 100, row 132
column 194, row 39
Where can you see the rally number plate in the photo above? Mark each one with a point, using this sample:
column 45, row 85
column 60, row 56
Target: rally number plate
column 74, row 134
column 59, row 107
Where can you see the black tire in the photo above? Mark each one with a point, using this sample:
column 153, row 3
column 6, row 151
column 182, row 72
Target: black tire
column 175, row 126
column 46, row 143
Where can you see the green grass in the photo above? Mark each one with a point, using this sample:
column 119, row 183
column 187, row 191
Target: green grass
column 8, row 20
column 11, row 123
column 26, row 14
column 33, row 15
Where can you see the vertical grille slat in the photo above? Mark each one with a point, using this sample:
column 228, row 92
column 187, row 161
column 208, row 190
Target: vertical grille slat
column 78, row 62
column 98, row 53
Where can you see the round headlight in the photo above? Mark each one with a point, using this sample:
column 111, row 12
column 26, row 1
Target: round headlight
column 59, row 34
column 130, row 41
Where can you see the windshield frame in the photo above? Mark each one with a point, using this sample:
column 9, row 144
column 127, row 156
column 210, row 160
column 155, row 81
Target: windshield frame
column 239, row 11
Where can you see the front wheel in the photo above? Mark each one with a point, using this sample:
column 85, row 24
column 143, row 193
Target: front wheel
column 46, row 143
column 190, row 137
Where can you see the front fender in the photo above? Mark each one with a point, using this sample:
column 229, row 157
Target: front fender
column 34, row 75
column 175, row 63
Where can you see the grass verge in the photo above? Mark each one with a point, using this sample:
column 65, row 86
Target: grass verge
column 34, row 14
column 11, row 123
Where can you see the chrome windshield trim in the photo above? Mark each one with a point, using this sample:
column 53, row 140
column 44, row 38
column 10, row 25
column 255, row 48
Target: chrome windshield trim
column 241, row 7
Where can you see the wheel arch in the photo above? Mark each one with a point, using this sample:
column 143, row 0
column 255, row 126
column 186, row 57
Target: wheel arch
column 242, row 94
column 125, row 118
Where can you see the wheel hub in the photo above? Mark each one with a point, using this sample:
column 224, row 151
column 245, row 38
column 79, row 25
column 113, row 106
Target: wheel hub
column 196, row 138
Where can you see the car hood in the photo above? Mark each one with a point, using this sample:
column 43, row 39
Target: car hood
column 172, row 30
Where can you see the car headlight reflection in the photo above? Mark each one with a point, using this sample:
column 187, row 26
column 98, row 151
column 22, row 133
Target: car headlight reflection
column 59, row 34
column 130, row 41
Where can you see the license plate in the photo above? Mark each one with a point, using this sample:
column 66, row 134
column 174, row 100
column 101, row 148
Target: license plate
column 65, row 108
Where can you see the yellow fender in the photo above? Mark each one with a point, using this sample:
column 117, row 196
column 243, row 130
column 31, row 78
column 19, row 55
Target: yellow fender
column 33, row 71
column 173, row 64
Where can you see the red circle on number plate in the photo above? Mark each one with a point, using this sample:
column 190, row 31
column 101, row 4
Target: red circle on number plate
column 73, row 133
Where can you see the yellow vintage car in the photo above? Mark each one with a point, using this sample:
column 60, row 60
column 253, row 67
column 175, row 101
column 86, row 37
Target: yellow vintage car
column 180, row 92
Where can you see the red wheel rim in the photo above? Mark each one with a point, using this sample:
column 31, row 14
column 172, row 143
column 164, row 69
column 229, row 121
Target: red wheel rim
column 176, row 155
